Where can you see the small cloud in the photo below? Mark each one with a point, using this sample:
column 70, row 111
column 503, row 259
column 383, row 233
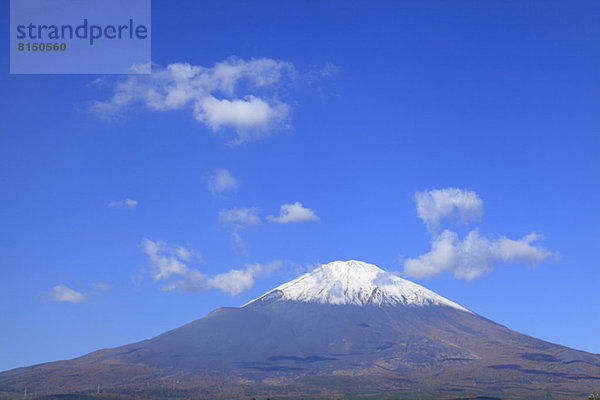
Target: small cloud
column 127, row 203
column 169, row 263
column 435, row 205
column 249, row 115
column 240, row 218
column 294, row 213
column 62, row 293
column 102, row 286
column 220, row 180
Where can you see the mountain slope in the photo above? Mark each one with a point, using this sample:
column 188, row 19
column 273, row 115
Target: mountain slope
column 344, row 326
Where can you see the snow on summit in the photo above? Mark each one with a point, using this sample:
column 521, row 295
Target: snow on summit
column 355, row 283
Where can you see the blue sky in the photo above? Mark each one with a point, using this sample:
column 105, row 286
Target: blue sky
column 349, row 108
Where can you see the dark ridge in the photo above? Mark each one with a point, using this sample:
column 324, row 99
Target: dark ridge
column 478, row 398
column 129, row 351
column 467, row 330
column 309, row 359
column 538, row 372
column 504, row 366
column 72, row 397
column 276, row 368
column 539, row 357
column 578, row 378
column 345, row 354
column 249, row 364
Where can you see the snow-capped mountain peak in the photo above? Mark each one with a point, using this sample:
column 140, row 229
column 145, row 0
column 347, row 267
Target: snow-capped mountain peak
column 354, row 283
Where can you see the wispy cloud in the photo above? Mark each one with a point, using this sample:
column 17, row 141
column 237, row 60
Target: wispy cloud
column 237, row 94
column 167, row 260
column 316, row 73
column 474, row 255
column 102, row 286
column 62, row 293
column 220, row 180
column 127, row 203
column 169, row 263
column 238, row 219
column 435, row 205
column 296, row 269
column 295, row 212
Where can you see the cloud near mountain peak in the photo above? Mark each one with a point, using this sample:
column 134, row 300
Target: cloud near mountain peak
column 474, row 255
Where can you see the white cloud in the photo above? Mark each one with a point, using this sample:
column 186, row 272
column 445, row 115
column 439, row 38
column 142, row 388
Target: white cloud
column 294, row 213
column 220, row 180
column 127, row 203
column 240, row 218
column 213, row 94
column 64, row 294
column 473, row 256
column 169, row 263
column 435, row 205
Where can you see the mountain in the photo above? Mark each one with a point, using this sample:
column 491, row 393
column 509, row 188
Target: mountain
column 345, row 329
